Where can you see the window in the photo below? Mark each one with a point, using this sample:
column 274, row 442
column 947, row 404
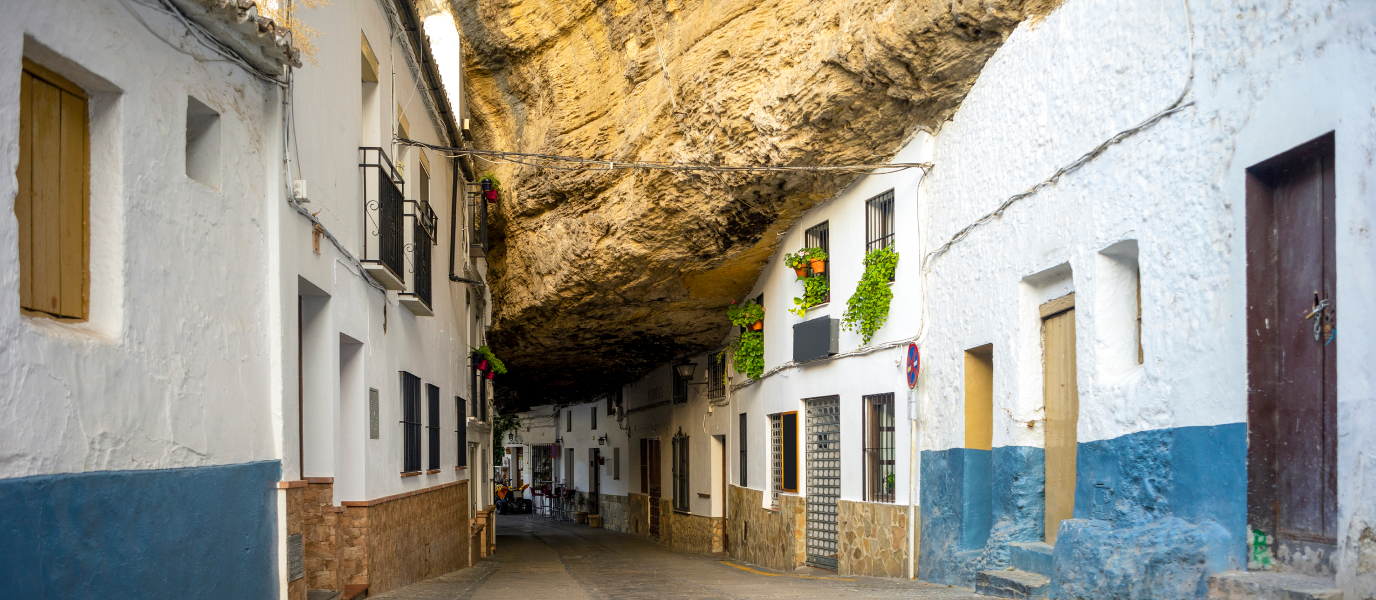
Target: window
column 741, row 466
column 568, row 419
column 680, row 474
column 434, row 426
column 716, row 375
column 644, row 466
column 53, row 204
column 776, row 460
column 424, row 183
column 410, row 422
column 202, row 143
column 616, row 463
column 818, row 236
column 879, row 221
column 594, row 417
column 680, row 387
column 482, row 401
column 879, row 448
column 460, row 433
column 788, row 455
column 568, row 467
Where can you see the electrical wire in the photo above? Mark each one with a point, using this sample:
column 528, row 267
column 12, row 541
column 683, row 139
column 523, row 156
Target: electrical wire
column 576, row 163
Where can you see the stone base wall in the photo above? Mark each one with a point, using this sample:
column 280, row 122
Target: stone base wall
column 615, row 511
column 872, row 539
column 691, row 533
column 765, row 537
column 386, row 543
column 638, row 516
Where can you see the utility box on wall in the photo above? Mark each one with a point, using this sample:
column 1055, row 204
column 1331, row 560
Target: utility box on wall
column 816, row 339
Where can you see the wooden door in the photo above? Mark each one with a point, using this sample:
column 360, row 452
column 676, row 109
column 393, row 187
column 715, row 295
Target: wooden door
column 652, row 461
column 1292, row 349
column 1062, row 411
column 516, row 465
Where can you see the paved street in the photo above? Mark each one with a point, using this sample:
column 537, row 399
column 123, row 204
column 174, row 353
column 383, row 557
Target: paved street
column 540, row 559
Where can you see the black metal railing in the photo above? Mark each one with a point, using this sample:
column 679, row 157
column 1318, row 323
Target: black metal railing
column 819, row 236
column 422, row 242
column 478, row 229
column 879, row 222
column 383, row 206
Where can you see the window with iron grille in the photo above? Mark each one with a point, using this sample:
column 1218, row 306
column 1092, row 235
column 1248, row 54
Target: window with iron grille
column 741, row 466
column 680, row 475
column 568, row 467
column 716, row 375
column 410, row 422
column 594, row 417
column 879, row 448
column 460, row 432
column 434, row 426
column 616, row 463
column 680, row 387
column 482, row 401
column 776, row 461
column 879, row 221
column 818, row 236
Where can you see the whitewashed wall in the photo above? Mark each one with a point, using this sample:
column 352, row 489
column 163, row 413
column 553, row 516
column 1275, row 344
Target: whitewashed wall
column 173, row 369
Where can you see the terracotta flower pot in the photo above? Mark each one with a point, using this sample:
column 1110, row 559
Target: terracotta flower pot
column 819, row 266
column 758, row 325
column 801, row 271
column 482, row 365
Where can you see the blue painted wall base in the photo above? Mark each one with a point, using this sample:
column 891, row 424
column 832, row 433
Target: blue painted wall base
column 204, row 532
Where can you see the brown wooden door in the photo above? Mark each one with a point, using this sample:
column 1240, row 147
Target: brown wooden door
column 1062, row 412
column 652, row 460
column 1292, row 367
column 516, row 465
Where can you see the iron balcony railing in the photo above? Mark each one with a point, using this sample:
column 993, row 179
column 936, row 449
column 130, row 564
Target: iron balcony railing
column 422, row 241
column 384, row 239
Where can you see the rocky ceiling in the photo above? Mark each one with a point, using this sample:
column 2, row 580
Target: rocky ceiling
column 599, row 277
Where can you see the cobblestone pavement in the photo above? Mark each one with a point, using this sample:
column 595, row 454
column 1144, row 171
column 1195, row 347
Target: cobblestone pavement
column 538, row 559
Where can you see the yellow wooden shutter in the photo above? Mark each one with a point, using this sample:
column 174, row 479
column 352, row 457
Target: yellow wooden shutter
column 52, row 206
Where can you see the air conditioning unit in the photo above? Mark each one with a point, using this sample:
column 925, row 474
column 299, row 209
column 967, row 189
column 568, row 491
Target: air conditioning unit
column 817, row 338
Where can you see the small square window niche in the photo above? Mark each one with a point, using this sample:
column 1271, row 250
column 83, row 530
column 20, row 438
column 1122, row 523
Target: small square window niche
column 202, row 143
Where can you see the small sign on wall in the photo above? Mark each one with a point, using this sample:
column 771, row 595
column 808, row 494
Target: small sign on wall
column 296, row 565
column 373, row 416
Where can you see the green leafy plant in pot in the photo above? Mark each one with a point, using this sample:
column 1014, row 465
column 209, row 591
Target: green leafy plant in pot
column 816, row 259
column 492, row 187
column 488, row 362
column 749, row 315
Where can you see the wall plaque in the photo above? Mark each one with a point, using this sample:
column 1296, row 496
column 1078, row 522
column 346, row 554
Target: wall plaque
column 372, row 414
column 296, row 565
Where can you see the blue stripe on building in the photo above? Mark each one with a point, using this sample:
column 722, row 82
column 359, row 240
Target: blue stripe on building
column 1155, row 512
column 202, row 532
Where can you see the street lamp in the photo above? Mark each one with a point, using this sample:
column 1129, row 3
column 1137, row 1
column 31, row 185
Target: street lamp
column 686, row 370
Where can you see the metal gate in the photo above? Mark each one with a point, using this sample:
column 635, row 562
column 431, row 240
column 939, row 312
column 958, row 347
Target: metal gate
column 823, row 479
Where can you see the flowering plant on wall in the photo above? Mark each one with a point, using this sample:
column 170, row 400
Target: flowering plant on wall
column 868, row 308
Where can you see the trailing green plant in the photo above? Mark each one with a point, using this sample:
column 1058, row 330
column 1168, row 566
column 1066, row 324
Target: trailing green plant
column 815, row 290
column 868, row 308
column 747, row 354
column 498, row 366
column 500, row 425
column 496, row 183
column 745, row 315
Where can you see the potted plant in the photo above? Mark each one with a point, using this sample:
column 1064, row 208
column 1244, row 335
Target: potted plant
column 748, row 315
column 491, row 185
column 797, row 262
column 816, row 258
column 594, row 520
column 488, row 362
column 580, row 503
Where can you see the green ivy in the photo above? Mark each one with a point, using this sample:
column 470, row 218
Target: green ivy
column 746, row 314
column 498, row 366
column 867, row 310
column 815, row 290
column 748, row 354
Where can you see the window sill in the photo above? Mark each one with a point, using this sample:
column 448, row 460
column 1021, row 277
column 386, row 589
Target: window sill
column 410, row 473
column 432, row 471
column 681, row 512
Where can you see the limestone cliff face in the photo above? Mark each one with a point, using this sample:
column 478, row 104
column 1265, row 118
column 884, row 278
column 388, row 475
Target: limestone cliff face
column 601, row 275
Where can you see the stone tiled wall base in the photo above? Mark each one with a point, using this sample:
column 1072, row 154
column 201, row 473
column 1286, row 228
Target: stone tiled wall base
column 353, row 545
column 319, row 520
column 873, row 539
column 296, row 590
column 764, row 537
column 615, row 511
column 638, row 514
column 690, row 533
column 417, row 537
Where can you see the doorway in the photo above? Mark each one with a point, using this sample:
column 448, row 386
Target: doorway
column 594, row 479
column 649, row 472
column 1292, row 347
column 1062, row 397
column 823, row 479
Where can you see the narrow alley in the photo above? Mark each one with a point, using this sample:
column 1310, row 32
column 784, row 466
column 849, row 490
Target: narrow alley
column 543, row 558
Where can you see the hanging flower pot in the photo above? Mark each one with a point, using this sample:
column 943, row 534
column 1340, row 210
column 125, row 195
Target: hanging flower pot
column 758, row 325
column 819, row 266
column 482, row 365
column 801, row 271
column 491, row 195
column 490, row 374
column 487, row 184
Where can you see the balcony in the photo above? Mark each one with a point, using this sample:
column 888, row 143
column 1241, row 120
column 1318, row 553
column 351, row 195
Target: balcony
column 477, row 208
column 423, row 240
column 384, row 242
